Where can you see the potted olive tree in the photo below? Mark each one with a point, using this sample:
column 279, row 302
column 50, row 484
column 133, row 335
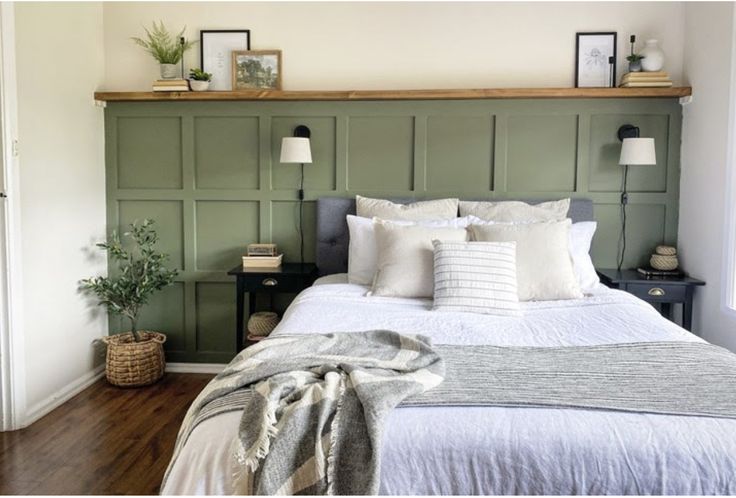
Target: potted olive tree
column 165, row 48
column 134, row 358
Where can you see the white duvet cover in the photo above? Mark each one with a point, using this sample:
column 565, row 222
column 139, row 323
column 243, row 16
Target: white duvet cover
column 494, row 450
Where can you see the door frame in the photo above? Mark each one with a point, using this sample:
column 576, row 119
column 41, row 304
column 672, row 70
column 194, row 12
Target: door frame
column 12, row 352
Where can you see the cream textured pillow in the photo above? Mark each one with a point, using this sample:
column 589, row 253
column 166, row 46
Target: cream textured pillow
column 440, row 209
column 475, row 277
column 406, row 258
column 516, row 211
column 544, row 268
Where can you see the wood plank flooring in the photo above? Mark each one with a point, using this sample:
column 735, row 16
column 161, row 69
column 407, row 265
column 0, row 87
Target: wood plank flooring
column 105, row 440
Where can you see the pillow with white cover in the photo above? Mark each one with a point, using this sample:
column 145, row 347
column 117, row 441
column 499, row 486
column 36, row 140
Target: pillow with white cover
column 440, row 209
column 544, row 269
column 516, row 211
column 362, row 251
column 581, row 238
column 475, row 277
column 406, row 258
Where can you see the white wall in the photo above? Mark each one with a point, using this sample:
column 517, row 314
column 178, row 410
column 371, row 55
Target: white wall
column 709, row 31
column 379, row 45
column 60, row 63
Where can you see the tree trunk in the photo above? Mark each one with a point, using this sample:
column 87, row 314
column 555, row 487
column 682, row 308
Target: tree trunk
column 134, row 328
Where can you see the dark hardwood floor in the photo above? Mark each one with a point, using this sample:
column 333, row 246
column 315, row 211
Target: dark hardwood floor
column 105, row 440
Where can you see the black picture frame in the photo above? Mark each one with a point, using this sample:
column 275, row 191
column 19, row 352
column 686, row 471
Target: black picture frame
column 611, row 82
column 220, row 79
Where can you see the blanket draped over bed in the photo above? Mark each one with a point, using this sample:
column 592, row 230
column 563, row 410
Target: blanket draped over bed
column 312, row 419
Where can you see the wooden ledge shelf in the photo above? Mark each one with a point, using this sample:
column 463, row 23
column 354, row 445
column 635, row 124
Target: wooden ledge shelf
column 489, row 93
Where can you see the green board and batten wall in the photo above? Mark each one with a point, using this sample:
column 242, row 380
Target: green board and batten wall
column 208, row 173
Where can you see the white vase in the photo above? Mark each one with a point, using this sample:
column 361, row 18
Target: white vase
column 169, row 71
column 653, row 56
column 199, row 86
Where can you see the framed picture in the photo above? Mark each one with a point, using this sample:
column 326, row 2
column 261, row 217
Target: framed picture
column 216, row 47
column 257, row 69
column 592, row 60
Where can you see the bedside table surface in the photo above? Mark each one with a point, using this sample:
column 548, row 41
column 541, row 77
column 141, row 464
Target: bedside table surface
column 632, row 276
column 284, row 269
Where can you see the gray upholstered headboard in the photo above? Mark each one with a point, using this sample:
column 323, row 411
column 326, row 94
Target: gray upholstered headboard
column 333, row 236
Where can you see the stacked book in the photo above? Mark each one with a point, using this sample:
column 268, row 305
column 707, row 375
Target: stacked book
column 654, row 79
column 262, row 256
column 649, row 272
column 171, row 85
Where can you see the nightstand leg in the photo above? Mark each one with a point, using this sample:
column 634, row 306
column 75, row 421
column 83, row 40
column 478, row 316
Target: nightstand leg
column 240, row 314
column 666, row 310
column 687, row 311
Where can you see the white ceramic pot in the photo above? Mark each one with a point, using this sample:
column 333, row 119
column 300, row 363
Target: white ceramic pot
column 199, row 86
column 653, row 56
column 169, row 71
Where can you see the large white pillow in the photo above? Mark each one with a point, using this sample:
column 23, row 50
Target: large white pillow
column 440, row 209
column 543, row 264
column 581, row 238
column 516, row 211
column 475, row 277
column 362, row 251
column 406, row 258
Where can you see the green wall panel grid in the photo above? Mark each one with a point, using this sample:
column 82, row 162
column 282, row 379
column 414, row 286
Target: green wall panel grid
column 208, row 173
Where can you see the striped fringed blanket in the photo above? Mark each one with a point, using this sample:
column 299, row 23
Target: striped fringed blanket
column 314, row 421
column 677, row 378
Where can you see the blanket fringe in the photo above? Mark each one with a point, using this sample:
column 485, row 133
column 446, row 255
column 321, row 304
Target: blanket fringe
column 248, row 460
column 334, row 434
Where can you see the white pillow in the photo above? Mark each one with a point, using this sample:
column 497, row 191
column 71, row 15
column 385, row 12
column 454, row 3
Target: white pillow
column 406, row 258
column 475, row 277
column 440, row 209
column 581, row 238
column 516, row 211
column 543, row 264
column 362, row 252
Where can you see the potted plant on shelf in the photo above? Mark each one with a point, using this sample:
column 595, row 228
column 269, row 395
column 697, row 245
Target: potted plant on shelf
column 165, row 48
column 634, row 62
column 199, row 80
column 134, row 358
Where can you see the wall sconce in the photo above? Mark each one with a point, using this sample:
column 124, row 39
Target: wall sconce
column 297, row 150
column 635, row 151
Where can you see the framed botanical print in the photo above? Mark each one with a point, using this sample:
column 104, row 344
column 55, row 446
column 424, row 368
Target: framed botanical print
column 216, row 47
column 595, row 60
column 257, row 69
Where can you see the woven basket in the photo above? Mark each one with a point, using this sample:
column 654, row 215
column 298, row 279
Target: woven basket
column 132, row 364
column 262, row 323
column 666, row 250
column 666, row 263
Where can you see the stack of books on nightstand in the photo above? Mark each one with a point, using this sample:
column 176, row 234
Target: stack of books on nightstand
column 649, row 272
column 171, row 86
column 262, row 256
column 654, row 79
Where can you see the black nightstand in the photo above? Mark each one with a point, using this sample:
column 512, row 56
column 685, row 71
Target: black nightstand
column 290, row 277
column 664, row 291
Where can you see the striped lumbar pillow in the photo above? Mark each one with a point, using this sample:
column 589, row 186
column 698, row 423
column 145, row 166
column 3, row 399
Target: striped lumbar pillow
column 475, row 277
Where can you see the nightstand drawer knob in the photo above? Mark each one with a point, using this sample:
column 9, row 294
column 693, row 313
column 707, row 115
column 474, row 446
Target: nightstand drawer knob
column 656, row 291
column 270, row 282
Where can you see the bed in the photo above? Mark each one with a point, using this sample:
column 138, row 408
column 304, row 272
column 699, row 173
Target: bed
column 495, row 450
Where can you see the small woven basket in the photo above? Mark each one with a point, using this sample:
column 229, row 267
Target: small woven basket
column 665, row 263
column 133, row 364
column 261, row 323
column 666, row 250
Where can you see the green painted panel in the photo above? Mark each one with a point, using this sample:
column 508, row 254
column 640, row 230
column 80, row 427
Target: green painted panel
column 318, row 175
column 169, row 225
column 285, row 229
column 644, row 231
column 224, row 228
column 215, row 317
column 541, row 153
column 226, row 152
column 149, row 152
column 605, row 148
column 459, row 152
column 381, row 153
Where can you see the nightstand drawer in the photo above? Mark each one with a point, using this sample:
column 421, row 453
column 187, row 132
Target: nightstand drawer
column 276, row 283
column 658, row 291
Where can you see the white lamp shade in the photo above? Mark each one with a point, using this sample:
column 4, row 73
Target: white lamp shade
column 295, row 150
column 637, row 152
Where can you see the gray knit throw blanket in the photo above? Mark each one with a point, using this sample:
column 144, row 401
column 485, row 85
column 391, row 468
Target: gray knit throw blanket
column 314, row 422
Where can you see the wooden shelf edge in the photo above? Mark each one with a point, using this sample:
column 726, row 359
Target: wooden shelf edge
column 488, row 93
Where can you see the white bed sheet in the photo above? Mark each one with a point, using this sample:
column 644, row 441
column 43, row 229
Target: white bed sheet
column 495, row 450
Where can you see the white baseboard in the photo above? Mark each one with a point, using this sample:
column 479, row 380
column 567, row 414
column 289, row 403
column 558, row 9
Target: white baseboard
column 200, row 368
column 63, row 395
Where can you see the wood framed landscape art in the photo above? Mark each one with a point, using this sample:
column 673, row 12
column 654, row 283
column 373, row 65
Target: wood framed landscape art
column 215, row 47
column 595, row 60
column 256, row 70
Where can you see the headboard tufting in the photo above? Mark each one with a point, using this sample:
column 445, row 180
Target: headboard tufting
column 333, row 236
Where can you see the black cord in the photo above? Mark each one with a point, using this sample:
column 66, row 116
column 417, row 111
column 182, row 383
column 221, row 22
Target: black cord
column 624, row 201
column 301, row 216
